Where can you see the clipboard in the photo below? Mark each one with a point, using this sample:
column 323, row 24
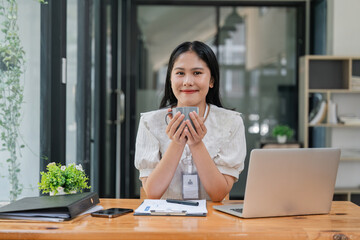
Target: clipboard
column 154, row 207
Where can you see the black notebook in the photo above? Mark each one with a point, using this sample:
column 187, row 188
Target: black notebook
column 61, row 207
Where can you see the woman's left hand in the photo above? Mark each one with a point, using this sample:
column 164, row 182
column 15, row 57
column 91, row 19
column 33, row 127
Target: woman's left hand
column 194, row 137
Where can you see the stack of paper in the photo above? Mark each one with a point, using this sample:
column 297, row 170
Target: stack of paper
column 51, row 208
column 162, row 207
column 350, row 120
column 355, row 83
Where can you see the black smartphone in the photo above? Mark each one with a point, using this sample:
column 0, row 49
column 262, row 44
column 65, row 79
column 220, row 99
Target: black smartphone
column 111, row 212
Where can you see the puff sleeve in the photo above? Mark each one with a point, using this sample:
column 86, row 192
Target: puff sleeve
column 230, row 151
column 147, row 150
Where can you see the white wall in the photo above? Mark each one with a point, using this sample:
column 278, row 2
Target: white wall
column 260, row 35
column 343, row 27
column 343, row 39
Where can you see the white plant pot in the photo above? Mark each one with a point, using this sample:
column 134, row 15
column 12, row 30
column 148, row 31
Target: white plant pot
column 281, row 138
column 60, row 192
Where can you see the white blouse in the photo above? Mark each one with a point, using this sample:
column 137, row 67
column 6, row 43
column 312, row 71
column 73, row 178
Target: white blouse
column 224, row 140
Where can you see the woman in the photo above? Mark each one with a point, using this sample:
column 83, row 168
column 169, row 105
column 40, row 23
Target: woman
column 185, row 162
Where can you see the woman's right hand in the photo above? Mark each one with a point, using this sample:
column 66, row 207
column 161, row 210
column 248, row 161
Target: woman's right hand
column 174, row 131
column 160, row 178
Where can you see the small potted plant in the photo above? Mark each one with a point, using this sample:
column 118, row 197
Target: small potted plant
column 60, row 180
column 282, row 133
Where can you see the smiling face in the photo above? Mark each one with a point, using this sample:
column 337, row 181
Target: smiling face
column 191, row 80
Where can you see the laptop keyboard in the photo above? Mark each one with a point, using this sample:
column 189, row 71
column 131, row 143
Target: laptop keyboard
column 239, row 210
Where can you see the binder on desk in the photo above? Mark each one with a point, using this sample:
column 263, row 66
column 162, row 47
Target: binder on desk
column 152, row 207
column 51, row 208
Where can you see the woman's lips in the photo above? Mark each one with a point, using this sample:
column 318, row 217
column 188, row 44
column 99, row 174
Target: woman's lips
column 188, row 91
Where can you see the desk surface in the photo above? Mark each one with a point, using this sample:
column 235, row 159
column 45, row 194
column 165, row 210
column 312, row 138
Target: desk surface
column 343, row 222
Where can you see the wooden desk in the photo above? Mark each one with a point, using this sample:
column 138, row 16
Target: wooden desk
column 343, row 222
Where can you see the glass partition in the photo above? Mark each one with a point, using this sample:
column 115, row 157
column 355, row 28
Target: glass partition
column 72, row 57
column 256, row 50
column 161, row 29
column 29, row 129
column 257, row 57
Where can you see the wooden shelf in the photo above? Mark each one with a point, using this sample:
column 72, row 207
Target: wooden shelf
column 346, row 190
column 326, row 91
column 281, row 145
column 332, row 79
column 335, row 125
column 350, row 159
column 330, row 76
column 347, row 194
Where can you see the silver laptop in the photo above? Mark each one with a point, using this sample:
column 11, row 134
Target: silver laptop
column 283, row 182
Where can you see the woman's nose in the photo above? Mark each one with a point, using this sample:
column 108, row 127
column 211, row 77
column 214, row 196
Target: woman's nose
column 188, row 81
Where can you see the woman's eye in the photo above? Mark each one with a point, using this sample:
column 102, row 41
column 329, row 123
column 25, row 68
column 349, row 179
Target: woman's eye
column 197, row 73
column 179, row 73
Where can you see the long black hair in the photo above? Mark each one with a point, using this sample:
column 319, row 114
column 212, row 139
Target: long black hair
column 207, row 55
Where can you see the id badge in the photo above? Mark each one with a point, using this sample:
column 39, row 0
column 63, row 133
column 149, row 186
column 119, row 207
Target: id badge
column 190, row 186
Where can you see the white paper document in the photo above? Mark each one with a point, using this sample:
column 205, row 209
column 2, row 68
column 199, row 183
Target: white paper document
column 161, row 207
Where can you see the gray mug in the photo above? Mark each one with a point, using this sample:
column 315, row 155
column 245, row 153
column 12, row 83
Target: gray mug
column 185, row 111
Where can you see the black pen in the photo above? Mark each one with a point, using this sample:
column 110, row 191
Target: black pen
column 182, row 202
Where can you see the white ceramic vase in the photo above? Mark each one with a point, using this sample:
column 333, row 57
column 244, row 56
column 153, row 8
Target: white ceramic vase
column 60, row 192
column 281, row 138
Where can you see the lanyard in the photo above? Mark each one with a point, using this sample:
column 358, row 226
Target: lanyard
column 206, row 111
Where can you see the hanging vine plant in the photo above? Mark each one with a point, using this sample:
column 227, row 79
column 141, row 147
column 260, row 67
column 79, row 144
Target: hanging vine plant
column 12, row 60
column 11, row 91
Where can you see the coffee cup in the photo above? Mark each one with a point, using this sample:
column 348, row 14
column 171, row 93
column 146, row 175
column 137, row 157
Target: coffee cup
column 185, row 111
